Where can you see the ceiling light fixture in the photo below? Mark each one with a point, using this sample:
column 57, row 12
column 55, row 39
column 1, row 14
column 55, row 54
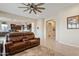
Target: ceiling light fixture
column 33, row 7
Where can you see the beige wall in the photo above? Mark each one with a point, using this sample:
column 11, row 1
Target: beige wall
column 64, row 35
column 40, row 31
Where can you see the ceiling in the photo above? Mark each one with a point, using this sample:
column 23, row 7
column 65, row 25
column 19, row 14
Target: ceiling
column 52, row 9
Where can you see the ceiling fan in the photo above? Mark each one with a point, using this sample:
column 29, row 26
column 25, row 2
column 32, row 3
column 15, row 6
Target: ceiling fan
column 33, row 7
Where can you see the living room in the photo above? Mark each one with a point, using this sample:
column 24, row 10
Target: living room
column 47, row 27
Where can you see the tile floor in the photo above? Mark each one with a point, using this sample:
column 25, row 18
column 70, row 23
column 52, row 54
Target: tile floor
column 36, row 51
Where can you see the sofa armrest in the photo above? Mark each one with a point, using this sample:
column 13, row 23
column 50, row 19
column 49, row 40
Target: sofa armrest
column 8, row 44
column 37, row 38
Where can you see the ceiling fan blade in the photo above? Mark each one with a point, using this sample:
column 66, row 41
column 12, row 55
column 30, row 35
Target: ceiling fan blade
column 24, row 4
column 39, row 4
column 22, row 7
column 32, row 4
column 38, row 10
column 41, row 8
column 34, row 11
column 30, row 11
column 28, row 4
column 27, row 9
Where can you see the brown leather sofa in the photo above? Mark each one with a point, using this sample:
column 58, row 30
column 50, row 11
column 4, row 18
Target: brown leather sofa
column 19, row 41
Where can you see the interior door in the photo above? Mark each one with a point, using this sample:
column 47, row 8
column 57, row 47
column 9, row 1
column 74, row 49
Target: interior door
column 50, row 32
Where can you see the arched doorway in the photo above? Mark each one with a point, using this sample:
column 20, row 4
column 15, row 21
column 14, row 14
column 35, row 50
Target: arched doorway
column 50, row 33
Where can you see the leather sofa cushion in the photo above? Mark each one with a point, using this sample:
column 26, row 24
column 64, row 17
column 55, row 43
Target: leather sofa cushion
column 25, row 39
column 14, row 39
column 30, row 37
column 17, row 46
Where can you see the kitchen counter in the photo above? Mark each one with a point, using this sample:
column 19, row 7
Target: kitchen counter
column 3, row 33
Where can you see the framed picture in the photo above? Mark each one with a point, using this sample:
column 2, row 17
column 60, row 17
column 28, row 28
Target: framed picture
column 73, row 22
